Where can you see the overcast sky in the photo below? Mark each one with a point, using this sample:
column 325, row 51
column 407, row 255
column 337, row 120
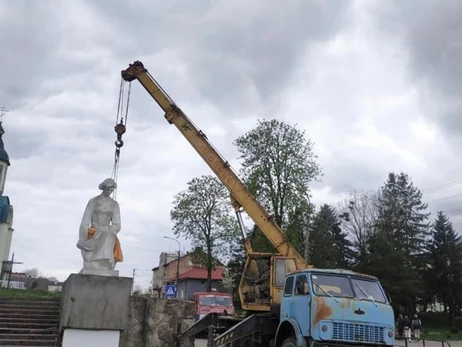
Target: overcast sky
column 375, row 84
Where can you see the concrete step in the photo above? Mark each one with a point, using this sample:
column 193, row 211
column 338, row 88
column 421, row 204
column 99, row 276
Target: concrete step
column 29, row 325
column 28, row 330
column 29, row 309
column 29, row 337
column 33, row 315
column 27, row 320
column 27, row 313
column 28, row 343
column 52, row 305
column 28, row 300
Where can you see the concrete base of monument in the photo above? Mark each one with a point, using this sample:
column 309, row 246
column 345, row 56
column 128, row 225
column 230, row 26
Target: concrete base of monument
column 94, row 307
column 90, row 338
column 113, row 273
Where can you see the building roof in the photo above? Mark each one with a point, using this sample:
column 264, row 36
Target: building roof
column 201, row 274
column 3, row 155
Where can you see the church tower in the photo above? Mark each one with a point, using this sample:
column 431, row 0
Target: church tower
column 6, row 210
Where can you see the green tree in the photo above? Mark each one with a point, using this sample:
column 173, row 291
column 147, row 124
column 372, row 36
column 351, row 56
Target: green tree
column 401, row 214
column 445, row 268
column 329, row 246
column 278, row 164
column 235, row 268
column 298, row 227
column 401, row 230
column 201, row 213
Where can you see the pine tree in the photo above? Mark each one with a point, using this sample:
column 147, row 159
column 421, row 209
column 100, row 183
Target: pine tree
column 445, row 268
column 402, row 228
column 401, row 215
column 329, row 247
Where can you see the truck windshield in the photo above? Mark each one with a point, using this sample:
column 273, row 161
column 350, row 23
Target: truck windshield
column 368, row 290
column 327, row 285
column 212, row 300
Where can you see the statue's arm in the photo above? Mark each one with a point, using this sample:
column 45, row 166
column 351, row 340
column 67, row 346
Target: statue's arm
column 115, row 222
column 86, row 220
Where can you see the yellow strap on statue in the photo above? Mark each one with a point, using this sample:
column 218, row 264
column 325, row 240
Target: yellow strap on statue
column 118, row 255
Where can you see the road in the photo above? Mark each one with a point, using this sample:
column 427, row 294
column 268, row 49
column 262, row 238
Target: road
column 203, row 343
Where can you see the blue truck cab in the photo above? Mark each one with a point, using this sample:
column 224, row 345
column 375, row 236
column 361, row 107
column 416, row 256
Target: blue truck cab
column 326, row 308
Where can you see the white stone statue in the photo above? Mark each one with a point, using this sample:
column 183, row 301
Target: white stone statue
column 98, row 231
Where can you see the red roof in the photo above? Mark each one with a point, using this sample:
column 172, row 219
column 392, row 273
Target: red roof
column 201, row 274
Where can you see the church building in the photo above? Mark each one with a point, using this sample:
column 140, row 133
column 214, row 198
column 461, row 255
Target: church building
column 6, row 209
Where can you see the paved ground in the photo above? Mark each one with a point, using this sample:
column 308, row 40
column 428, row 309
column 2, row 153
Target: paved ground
column 203, row 343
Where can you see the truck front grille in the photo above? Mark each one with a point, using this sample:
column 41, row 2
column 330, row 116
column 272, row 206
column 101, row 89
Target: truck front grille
column 353, row 332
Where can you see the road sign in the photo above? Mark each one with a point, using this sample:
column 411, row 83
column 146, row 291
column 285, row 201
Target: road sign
column 170, row 291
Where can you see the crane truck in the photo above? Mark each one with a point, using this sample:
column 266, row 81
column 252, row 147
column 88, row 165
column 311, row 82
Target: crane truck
column 304, row 306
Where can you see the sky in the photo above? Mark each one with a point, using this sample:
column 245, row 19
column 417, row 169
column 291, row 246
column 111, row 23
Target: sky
column 374, row 84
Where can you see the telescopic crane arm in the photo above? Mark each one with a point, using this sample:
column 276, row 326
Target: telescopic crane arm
column 216, row 162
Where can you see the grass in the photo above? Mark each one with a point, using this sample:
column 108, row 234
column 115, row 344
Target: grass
column 440, row 334
column 18, row 293
column 435, row 326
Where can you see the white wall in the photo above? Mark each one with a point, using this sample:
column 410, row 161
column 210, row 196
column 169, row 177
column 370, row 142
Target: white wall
column 90, row 338
column 6, row 234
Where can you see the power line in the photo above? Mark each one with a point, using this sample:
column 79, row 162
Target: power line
column 442, row 186
column 447, row 197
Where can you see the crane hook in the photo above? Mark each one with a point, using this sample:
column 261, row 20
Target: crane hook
column 120, row 130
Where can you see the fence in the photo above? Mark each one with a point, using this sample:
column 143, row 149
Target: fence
column 13, row 284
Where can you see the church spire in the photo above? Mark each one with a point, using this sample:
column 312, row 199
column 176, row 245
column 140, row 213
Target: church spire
column 3, row 154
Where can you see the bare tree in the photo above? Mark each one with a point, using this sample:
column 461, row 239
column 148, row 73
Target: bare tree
column 359, row 212
column 33, row 273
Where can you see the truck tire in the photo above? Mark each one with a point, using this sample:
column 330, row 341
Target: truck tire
column 289, row 342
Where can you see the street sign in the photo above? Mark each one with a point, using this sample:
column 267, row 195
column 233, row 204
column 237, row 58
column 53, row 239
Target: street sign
column 170, row 291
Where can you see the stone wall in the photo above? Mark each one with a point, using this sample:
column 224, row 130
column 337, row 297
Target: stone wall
column 155, row 322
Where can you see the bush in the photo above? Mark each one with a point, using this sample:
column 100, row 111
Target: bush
column 454, row 330
column 458, row 322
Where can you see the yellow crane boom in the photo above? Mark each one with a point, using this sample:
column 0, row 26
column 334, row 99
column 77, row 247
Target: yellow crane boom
column 219, row 166
column 252, row 296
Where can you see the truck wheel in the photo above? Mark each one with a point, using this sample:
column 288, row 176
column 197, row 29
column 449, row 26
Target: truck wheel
column 289, row 342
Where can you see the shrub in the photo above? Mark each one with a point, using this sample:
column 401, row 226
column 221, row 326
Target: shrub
column 458, row 322
column 454, row 330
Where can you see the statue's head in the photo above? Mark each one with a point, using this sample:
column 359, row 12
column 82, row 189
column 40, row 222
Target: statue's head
column 108, row 186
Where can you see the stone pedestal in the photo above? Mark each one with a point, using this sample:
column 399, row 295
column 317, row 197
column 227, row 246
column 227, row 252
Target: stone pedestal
column 94, row 309
column 111, row 273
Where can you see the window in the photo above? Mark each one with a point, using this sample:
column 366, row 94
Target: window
column 301, row 285
column 212, row 300
column 283, row 267
column 328, row 285
column 289, row 285
column 368, row 290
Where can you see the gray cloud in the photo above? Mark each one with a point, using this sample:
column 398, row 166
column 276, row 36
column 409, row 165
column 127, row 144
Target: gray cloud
column 314, row 63
column 430, row 34
column 237, row 54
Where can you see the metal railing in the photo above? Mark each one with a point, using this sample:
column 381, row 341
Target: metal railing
column 425, row 343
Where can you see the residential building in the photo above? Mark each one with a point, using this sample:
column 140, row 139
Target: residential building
column 192, row 278
column 17, row 280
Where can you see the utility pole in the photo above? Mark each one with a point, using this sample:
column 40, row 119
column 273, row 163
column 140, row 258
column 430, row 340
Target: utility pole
column 306, row 253
column 11, row 269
